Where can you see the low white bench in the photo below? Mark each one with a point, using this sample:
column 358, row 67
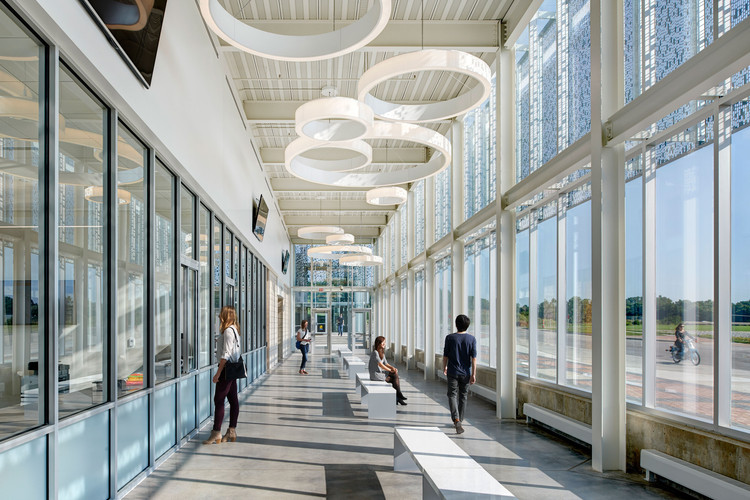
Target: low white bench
column 693, row 477
column 448, row 472
column 364, row 378
column 380, row 401
column 566, row 425
column 354, row 365
column 343, row 352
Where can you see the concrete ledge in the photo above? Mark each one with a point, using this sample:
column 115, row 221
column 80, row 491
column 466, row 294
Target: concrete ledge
column 691, row 476
column 574, row 428
column 480, row 390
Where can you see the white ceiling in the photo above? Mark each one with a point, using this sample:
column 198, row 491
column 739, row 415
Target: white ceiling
column 270, row 91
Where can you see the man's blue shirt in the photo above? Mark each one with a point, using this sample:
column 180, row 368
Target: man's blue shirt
column 460, row 348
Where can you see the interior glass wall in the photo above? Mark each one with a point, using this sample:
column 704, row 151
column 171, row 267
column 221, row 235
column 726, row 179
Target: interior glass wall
column 204, row 294
column 81, row 246
column 132, row 235
column 164, row 317
column 217, row 272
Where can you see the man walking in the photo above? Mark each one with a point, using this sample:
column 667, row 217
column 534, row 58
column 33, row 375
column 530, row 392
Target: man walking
column 460, row 366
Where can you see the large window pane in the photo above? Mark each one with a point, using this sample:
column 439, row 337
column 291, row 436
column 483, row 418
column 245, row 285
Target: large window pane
column 218, row 231
column 546, row 288
column 419, row 231
column 522, row 296
column 578, row 291
column 164, row 285
column 187, row 224
column 634, row 289
column 81, row 246
column 132, row 235
column 19, row 241
column 479, row 156
column 740, row 279
column 684, row 280
column 419, row 310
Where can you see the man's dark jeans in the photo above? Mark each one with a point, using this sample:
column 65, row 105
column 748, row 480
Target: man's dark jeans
column 458, row 394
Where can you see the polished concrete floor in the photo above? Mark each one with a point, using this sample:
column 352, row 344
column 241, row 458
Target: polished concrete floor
column 309, row 436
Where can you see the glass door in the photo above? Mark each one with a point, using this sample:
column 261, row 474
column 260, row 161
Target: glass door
column 189, row 334
column 321, row 326
column 361, row 327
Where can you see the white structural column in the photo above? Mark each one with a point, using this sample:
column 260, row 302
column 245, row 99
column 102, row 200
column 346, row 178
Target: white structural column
column 608, row 243
column 429, row 320
column 722, row 266
column 506, row 236
column 399, row 334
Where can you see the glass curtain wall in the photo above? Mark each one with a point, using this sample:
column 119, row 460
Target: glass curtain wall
column 132, row 235
column 419, row 229
column 419, row 331
column 164, row 317
column 443, row 302
column 81, row 246
column 480, row 281
column 523, row 261
column 404, row 234
column 545, row 236
column 204, row 293
column 480, row 155
column 634, row 280
column 442, row 204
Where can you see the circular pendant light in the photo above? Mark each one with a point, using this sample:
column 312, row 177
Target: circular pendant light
column 318, row 232
column 454, row 61
column 408, row 132
column 336, row 251
column 296, row 48
column 340, row 239
column 359, row 155
column 361, row 260
column 95, row 194
column 333, row 119
column 387, row 195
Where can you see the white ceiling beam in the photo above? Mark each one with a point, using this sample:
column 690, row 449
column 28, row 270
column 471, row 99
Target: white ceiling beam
column 517, row 18
column 396, row 156
column 332, row 206
column 399, row 36
column 294, row 185
column 337, row 220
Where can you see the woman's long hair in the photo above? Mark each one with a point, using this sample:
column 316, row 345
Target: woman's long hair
column 228, row 317
column 677, row 328
column 303, row 325
column 378, row 340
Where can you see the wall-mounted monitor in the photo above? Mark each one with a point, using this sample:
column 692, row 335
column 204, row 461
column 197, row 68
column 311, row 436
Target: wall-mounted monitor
column 284, row 261
column 260, row 217
column 133, row 28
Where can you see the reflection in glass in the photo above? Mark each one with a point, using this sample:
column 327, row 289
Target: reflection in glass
column 164, row 286
column 684, row 281
column 204, row 298
column 218, row 231
column 418, row 309
column 522, row 301
column 187, row 229
column 546, row 265
column 19, row 241
column 634, row 289
column 740, row 279
column 578, row 292
column 131, row 263
column 81, row 247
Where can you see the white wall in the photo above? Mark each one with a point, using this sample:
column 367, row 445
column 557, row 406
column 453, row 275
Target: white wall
column 188, row 114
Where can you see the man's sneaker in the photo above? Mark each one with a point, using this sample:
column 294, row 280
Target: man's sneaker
column 459, row 427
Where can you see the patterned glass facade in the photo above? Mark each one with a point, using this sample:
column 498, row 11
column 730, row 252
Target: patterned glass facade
column 480, row 155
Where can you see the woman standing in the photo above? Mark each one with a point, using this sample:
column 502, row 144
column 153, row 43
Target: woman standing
column 304, row 337
column 230, row 351
column 380, row 369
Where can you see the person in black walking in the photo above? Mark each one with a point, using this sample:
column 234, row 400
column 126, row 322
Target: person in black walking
column 460, row 366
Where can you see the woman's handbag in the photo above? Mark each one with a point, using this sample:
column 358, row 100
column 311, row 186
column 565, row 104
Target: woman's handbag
column 298, row 344
column 234, row 369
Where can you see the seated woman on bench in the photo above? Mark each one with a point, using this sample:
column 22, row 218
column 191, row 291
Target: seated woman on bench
column 381, row 370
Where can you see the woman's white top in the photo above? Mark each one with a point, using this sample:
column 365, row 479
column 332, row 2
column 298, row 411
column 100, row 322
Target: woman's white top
column 304, row 336
column 231, row 350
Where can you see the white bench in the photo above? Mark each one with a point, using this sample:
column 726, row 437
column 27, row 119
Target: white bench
column 448, row 472
column 353, row 366
column 343, row 352
column 566, row 425
column 363, row 378
column 693, row 477
column 380, row 401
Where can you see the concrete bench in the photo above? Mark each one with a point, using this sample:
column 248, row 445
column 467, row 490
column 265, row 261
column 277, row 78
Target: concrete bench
column 364, row 378
column 380, row 401
column 448, row 472
column 574, row 428
column 353, row 366
column 693, row 477
column 343, row 352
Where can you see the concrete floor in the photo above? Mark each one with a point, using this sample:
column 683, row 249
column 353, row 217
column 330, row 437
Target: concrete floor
column 309, row 436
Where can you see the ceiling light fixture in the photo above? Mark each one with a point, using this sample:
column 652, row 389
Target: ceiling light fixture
column 296, row 48
column 333, row 119
column 336, row 251
column 388, row 195
column 454, row 61
column 361, row 260
column 295, row 158
column 318, row 232
column 340, row 239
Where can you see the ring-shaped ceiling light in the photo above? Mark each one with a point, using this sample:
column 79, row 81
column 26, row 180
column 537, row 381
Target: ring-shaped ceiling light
column 408, row 132
column 361, row 260
column 95, row 194
column 387, row 195
column 337, row 251
column 296, row 48
column 454, row 61
column 333, row 119
column 318, row 232
column 340, row 239
column 294, row 155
